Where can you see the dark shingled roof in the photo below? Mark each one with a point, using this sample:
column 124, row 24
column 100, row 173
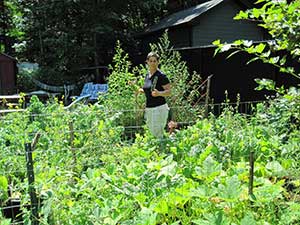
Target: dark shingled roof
column 183, row 16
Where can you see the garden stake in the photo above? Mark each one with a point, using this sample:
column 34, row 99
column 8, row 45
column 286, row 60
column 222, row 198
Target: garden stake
column 207, row 95
column 35, row 140
column 30, row 174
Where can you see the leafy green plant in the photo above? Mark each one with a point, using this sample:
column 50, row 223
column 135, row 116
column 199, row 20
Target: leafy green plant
column 185, row 90
column 85, row 173
column 3, row 188
column 125, row 80
column 122, row 89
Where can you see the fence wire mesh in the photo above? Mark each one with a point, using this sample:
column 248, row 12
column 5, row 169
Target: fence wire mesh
column 79, row 142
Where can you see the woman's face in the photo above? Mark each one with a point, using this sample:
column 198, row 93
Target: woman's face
column 152, row 63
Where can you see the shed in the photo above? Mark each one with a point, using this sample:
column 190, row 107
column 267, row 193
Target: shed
column 8, row 71
column 199, row 25
column 192, row 31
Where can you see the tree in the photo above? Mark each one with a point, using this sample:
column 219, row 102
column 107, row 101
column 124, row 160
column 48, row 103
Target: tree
column 10, row 26
column 64, row 36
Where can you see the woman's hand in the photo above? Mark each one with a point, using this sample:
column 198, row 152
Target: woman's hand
column 172, row 124
column 155, row 93
column 139, row 91
column 166, row 92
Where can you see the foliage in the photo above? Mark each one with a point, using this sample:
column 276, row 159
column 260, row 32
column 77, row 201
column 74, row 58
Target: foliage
column 281, row 20
column 65, row 36
column 122, row 89
column 125, row 80
column 185, row 89
column 12, row 29
column 86, row 174
column 283, row 118
column 24, row 77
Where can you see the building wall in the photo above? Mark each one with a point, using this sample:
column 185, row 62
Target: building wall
column 218, row 23
column 180, row 36
column 7, row 75
column 232, row 74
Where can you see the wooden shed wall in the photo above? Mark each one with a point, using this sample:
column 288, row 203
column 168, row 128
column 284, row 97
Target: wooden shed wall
column 218, row 23
column 180, row 36
column 7, row 75
column 233, row 75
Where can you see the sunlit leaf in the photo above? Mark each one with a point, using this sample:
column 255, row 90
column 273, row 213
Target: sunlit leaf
column 248, row 220
column 161, row 207
column 3, row 183
column 241, row 15
column 260, row 48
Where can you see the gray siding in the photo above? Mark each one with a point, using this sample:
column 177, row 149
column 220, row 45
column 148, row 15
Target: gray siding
column 180, row 36
column 218, row 23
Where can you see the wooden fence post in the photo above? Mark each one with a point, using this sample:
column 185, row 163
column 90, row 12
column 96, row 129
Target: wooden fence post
column 30, row 174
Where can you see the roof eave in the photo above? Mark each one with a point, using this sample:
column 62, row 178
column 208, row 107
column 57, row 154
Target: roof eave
column 8, row 56
column 214, row 3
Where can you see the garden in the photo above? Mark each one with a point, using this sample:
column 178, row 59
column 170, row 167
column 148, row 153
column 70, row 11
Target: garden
column 88, row 171
column 98, row 164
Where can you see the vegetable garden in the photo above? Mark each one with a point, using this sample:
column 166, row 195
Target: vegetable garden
column 87, row 171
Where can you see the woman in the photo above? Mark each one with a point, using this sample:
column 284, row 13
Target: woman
column 156, row 87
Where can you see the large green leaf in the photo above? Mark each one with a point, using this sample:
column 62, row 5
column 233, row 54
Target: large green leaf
column 209, row 170
column 248, row 220
column 3, row 187
column 231, row 189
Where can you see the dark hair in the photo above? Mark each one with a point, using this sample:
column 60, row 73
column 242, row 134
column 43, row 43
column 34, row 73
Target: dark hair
column 153, row 54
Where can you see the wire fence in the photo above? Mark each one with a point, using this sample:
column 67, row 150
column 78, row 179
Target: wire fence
column 243, row 107
column 13, row 208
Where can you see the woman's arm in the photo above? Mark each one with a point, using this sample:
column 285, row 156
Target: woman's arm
column 166, row 92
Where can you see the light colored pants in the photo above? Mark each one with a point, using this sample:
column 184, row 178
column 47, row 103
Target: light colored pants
column 156, row 119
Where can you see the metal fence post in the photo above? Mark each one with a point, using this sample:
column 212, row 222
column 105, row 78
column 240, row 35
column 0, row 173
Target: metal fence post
column 207, row 96
column 30, row 174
